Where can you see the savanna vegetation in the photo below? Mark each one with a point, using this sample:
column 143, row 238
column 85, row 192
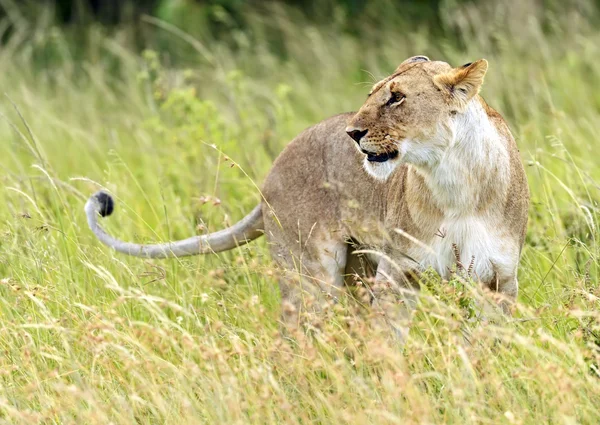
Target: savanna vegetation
column 180, row 116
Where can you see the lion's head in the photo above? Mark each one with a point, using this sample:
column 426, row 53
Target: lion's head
column 410, row 115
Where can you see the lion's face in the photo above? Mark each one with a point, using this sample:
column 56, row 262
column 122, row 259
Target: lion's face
column 408, row 117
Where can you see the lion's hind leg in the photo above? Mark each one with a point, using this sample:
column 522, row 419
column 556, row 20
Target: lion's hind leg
column 311, row 280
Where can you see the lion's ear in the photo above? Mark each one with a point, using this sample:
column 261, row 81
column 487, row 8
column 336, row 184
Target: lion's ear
column 413, row 59
column 463, row 83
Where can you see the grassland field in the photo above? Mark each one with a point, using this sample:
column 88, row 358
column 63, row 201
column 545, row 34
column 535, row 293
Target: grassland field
column 88, row 336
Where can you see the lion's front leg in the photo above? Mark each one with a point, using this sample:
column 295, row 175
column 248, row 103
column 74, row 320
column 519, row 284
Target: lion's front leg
column 506, row 288
column 395, row 297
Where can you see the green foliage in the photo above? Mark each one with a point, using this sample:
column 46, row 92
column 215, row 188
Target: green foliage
column 183, row 134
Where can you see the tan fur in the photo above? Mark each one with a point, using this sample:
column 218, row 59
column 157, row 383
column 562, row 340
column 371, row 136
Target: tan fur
column 322, row 196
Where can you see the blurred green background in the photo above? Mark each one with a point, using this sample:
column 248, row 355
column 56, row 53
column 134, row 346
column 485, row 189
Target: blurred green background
column 229, row 20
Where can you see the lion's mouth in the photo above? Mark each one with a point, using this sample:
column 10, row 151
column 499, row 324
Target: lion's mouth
column 380, row 157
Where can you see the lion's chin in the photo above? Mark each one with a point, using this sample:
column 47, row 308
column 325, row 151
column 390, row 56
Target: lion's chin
column 381, row 170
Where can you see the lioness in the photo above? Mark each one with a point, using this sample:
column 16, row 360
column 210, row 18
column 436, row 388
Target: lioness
column 429, row 171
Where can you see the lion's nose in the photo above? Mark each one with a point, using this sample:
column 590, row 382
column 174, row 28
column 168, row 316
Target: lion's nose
column 356, row 134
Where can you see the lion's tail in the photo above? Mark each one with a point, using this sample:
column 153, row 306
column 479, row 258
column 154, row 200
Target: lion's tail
column 242, row 232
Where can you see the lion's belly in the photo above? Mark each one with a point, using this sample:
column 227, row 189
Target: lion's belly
column 479, row 244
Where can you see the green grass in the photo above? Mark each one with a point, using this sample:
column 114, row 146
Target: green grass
column 90, row 336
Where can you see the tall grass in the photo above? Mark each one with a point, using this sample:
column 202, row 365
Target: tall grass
column 90, row 336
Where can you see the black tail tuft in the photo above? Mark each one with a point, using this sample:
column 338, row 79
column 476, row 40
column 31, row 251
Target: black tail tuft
column 107, row 205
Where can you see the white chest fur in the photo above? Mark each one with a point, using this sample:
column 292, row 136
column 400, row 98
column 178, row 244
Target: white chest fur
column 479, row 244
column 473, row 166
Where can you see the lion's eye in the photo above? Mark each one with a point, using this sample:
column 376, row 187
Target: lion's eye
column 396, row 97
